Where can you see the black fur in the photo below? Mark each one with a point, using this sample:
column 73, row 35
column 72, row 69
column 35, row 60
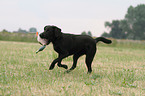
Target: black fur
column 69, row 44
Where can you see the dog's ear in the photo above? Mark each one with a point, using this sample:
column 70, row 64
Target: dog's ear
column 57, row 32
column 45, row 27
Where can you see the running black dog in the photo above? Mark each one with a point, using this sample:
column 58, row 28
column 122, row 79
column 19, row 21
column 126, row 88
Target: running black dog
column 69, row 44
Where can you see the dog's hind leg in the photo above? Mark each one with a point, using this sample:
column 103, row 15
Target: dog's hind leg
column 89, row 58
column 75, row 59
column 53, row 63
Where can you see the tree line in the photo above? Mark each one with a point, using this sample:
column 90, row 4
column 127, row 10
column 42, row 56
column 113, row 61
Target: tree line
column 131, row 27
column 31, row 30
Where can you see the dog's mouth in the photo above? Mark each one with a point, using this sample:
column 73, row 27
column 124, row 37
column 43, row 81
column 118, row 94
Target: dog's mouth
column 46, row 43
column 42, row 41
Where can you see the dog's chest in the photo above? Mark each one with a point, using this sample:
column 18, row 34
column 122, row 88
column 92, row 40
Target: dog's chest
column 57, row 49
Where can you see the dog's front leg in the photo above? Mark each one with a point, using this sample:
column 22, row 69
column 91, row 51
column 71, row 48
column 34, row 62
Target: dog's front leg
column 62, row 65
column 59, row 59
column 53, row 63
column 59, row 63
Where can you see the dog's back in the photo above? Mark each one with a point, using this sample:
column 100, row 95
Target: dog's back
column 75, row 43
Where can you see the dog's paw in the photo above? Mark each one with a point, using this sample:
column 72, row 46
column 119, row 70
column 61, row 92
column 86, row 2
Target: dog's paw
column 89, row 72
column 65, row 66
column 51, row 67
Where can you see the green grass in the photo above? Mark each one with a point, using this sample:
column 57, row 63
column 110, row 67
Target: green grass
column 19, row 37
column 116, row 71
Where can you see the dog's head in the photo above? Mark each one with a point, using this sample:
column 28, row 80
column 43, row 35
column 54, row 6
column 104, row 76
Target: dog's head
column 51, row 33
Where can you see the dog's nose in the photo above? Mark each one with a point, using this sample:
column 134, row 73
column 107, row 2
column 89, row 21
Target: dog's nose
column 41, row 35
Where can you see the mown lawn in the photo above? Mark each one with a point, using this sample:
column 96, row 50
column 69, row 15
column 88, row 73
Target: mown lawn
column 116, row 71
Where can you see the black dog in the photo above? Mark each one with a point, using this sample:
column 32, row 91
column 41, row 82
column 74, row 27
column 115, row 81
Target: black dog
column 69, row 44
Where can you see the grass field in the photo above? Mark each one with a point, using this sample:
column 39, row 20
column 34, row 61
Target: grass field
column 116, row 71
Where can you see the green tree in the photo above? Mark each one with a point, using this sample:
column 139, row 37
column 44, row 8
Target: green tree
column 105, row 34
column 115, row 30
column 131, row 27
column 4, row 30
column 134, row 23
column 21, row 31
column 84, row 33
column 33, row 30
column 89, row 33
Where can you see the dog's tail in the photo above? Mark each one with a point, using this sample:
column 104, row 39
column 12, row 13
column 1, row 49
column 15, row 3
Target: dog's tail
column 107, row 41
